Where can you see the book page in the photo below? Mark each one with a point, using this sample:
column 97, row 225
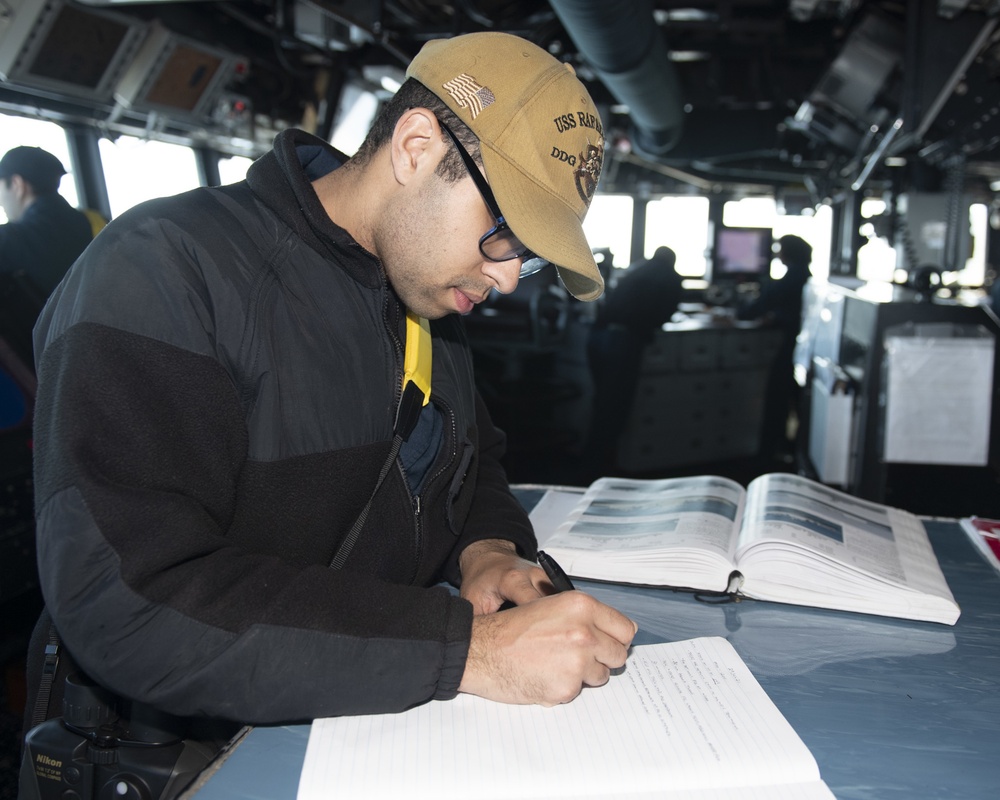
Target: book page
column 682, row 716
column 551, row 511
column 674, row 531
column 853, row 531
column 814, row 545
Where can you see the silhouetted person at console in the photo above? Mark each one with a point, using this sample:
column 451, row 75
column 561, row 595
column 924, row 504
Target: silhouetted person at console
column 643, row 299
column 780, row 306
column 994, row 286
column 44, row 234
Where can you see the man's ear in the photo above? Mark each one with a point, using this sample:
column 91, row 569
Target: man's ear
column 416, row 144
column 19, row 187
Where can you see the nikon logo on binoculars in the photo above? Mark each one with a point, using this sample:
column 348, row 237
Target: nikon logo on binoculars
column 47, row 767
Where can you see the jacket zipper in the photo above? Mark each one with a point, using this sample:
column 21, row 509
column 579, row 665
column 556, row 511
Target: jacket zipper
column 415, row 502
column 450, row 417
column 417, row 522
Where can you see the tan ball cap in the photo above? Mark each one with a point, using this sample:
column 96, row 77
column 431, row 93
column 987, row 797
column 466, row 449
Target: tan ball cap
column 541, row 137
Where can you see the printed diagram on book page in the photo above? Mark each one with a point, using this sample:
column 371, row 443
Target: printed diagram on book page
column 851, row 531
column 618, row 515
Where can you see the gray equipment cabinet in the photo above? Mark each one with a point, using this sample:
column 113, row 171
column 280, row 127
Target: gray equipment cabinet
column 699, row 397
column 868, row 321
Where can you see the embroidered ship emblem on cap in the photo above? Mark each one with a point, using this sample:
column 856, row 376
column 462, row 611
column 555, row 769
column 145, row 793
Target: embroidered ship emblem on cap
column 589, row 172
column 468, row 94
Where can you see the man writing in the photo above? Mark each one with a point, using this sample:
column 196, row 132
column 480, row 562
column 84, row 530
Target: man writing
column 242, row 505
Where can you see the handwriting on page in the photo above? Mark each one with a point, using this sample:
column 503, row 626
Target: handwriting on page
column 709, row 708
column 681, row 714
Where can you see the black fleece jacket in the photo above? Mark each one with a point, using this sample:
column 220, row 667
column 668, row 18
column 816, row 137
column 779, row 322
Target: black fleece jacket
column 218, row 381
column 45, row 241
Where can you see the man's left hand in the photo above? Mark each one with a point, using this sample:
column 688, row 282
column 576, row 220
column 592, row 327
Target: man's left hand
column 493, row 573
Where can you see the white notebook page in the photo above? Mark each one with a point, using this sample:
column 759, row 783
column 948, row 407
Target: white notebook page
column 683, row 715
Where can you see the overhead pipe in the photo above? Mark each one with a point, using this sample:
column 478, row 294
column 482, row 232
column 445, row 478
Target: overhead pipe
column 621, row 41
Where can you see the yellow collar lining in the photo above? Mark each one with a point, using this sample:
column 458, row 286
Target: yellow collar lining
column 417, row 355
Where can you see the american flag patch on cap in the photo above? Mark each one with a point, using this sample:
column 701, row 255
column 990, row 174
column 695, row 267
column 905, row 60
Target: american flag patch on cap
column 469, row 94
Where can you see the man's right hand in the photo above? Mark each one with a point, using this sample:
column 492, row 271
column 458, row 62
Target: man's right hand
column 547, row 650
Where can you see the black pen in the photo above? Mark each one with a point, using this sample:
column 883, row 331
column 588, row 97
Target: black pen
column 558, row 578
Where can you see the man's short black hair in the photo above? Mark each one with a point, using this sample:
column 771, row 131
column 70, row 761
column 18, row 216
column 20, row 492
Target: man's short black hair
column 413, row 94
column 795, row 250
column 37, row 167
column 664, row 255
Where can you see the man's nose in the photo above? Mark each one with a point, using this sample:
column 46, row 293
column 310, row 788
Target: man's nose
column 504, row 274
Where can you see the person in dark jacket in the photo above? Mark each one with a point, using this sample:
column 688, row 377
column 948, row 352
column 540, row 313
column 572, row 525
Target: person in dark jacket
column 44, row 234
column 259, row 447
column 644, row 298
column 779, row 305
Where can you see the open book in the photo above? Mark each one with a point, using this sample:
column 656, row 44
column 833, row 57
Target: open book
column 684, row 721
column 786, row 539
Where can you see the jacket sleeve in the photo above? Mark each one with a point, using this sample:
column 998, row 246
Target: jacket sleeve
column 139, row 449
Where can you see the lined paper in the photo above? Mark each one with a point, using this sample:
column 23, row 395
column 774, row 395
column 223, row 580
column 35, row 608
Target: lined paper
column 683, row 716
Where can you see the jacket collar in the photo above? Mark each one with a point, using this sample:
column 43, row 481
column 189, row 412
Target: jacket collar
column 282, row 179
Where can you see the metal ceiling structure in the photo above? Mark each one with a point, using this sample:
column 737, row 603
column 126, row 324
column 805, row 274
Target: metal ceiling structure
column 818, row 97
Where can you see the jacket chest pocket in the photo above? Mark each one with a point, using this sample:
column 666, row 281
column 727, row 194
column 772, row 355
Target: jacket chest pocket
column 460, row 490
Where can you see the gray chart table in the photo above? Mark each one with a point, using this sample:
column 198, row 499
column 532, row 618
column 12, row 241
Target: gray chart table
column 889, row 708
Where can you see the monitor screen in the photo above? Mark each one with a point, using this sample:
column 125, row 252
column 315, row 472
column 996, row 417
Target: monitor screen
column 78, row 48
column 186, row 75
column 742, row 251
column 177, row 76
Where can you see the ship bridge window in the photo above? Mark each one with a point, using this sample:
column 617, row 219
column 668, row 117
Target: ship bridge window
column 762, row 212
column 680, row 223
column 233, row 169
column 139, row 169
column 355, row 114
column 608, row 225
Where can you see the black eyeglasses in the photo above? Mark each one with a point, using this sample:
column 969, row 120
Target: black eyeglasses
column 499, row 243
